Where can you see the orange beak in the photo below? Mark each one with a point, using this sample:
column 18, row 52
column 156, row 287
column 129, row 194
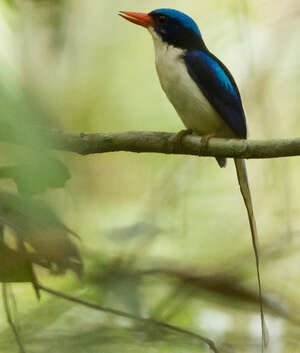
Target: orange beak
column 142, row 19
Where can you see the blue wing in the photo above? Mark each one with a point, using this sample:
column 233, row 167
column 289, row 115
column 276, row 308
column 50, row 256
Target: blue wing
column 219, row 88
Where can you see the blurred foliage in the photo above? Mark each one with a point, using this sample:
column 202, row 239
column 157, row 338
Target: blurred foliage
column 38, row 176
column 34, row 235
column 14, row 268
column 164, row 237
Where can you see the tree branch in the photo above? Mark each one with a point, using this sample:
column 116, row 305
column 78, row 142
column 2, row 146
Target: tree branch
column 153, row 322
column 163, row 142
column 146, row 141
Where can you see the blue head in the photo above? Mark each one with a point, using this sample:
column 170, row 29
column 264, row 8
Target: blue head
column 176, row 28
column 173, row 27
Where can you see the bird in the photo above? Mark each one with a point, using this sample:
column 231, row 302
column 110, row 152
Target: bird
column 204, row 94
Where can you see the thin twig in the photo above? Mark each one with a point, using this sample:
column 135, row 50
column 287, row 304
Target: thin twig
column 170, row 327
column 9, row 318
column 14, row 305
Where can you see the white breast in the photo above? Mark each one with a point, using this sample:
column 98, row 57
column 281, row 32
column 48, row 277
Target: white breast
column 193, row 108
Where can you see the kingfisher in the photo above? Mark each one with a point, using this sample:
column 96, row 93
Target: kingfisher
column 202, row 91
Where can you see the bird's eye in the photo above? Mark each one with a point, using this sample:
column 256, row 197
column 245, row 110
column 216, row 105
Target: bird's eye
column 162, row 19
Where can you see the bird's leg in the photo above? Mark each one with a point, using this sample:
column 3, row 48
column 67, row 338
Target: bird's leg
column 178, row 139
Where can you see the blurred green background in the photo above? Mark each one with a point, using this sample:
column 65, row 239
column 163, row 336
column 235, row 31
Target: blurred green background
column 165, row 237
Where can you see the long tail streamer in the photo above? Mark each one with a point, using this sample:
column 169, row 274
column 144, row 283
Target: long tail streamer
column 241, row 171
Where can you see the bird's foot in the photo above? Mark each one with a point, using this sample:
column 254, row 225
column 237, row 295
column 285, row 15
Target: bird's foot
column 178, row 139
column 204, row 141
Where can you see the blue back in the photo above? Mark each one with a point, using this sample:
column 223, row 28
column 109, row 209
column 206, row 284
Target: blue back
column 219, row 88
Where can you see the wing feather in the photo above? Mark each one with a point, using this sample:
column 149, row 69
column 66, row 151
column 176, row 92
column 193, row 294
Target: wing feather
column 219, row 87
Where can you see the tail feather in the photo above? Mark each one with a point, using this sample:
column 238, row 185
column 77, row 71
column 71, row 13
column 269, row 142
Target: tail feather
column 221, row 161
column 241, row 171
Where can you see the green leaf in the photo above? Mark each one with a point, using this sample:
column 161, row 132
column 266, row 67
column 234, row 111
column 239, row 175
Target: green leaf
column 34, row 223
column 37, row 176
column 14, row 267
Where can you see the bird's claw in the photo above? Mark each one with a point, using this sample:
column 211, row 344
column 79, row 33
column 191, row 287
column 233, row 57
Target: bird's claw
column 204, row 141
column 178, row 139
